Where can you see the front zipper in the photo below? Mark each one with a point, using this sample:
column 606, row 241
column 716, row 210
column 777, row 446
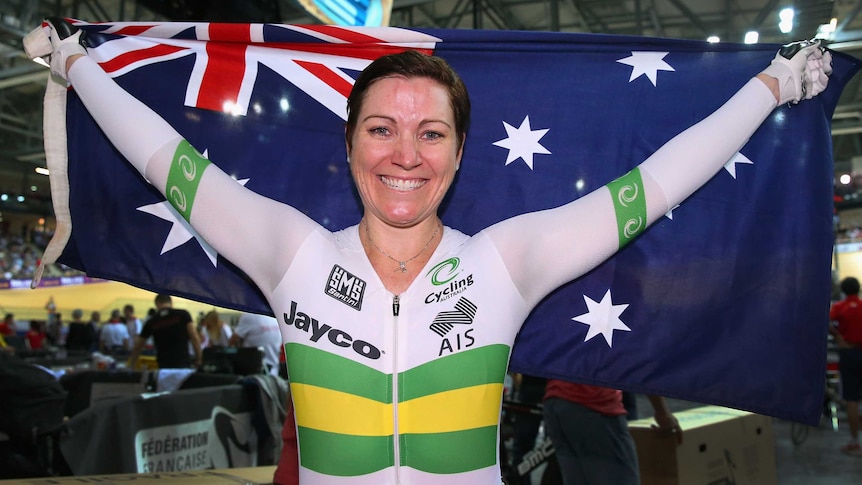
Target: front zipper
column 396, row 307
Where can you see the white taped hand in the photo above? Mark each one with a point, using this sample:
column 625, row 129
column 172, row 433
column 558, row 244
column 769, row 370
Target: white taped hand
column 802, row 70
column 66, row 42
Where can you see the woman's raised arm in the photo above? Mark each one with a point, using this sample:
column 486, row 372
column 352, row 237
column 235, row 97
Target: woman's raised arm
column 546, row 249
column 228, row 216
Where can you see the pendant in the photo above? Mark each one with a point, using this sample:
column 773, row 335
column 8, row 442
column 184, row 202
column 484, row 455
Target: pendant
column 402, row 266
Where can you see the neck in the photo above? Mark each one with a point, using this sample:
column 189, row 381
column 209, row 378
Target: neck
column 405, row 248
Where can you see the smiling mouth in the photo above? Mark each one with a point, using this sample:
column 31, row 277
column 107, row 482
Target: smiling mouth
column 402, row 185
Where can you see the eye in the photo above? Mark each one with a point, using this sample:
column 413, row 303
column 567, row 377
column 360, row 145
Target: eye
column 432, row 135
column 379, row 131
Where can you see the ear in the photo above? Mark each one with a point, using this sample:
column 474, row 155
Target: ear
column 347, row 145
column 460, row 154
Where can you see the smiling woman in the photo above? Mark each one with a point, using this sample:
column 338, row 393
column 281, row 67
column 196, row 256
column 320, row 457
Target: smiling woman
column 397, row 378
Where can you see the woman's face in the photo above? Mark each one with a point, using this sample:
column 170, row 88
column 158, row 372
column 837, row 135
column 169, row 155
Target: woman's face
column 405, row 151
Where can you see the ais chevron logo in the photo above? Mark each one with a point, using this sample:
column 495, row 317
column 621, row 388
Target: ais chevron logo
column 445, row 322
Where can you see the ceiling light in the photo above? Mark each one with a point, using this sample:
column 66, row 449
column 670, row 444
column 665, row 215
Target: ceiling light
column 825, row 31
column 751, row 37
column 713, row 39
column 786, row 19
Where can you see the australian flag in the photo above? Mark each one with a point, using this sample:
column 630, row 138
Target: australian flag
column 723, row 301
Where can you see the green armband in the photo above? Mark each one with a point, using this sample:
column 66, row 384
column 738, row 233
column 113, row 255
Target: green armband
column 627, row 193
column 185, row 174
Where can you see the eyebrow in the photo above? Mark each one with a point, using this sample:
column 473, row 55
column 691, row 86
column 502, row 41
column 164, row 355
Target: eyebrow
column 392, row 120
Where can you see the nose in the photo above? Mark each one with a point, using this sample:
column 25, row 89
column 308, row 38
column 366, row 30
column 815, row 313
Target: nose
column 406, row 153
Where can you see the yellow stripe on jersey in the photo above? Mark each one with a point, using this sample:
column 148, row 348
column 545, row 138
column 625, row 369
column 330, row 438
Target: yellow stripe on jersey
column 460, row 409
column 339, row 412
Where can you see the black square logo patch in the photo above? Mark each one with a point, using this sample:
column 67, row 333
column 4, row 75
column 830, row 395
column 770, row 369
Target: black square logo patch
column 345, row 287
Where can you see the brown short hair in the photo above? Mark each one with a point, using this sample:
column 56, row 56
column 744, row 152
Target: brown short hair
column 409, row 64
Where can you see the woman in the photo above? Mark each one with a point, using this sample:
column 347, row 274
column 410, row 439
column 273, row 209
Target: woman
column 214, row 333
column 391, row 384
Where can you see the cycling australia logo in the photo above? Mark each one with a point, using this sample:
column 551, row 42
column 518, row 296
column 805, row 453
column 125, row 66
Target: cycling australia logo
column 446, row 275
column 345, row 287
column 459, row 318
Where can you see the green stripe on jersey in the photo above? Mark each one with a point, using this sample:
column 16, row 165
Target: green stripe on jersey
column 629, row 200
column 315, row 367
column 485, row 365
column 345, row 455
column 455, row 452
column 184, row 177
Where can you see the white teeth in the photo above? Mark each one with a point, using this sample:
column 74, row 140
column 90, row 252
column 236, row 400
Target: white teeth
column 402, row 185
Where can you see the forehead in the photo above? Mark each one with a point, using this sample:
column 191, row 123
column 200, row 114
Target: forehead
column 399, row 92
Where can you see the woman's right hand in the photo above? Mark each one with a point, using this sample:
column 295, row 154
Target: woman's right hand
column 68, row 44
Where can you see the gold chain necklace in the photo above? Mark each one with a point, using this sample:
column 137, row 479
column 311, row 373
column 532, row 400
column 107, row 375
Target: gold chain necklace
column 402, row 265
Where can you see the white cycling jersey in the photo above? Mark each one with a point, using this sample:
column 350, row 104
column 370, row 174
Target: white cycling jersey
column 406, row 389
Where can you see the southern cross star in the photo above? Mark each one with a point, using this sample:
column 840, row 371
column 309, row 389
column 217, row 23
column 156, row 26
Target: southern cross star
column 603, row 318
column 522, row 142
column 646, row 64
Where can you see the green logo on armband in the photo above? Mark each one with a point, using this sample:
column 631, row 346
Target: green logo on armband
column 629, row 205
column 183, row 178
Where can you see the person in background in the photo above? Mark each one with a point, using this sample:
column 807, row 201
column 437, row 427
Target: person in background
column 96, row 323
column 589, row 430
column 214, row 332
column 51, row 309
column 133, row 323
column 35, row 336
column 173, row 330
column 54, row 330
column 114, row 336
column 81, row 336
column 7, row 326
column 262, row 331
column 847, row 331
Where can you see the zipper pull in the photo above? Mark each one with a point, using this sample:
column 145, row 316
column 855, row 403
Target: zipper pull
column 396, row 306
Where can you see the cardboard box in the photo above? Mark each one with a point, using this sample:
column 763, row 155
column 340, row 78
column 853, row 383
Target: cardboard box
column 721, row 446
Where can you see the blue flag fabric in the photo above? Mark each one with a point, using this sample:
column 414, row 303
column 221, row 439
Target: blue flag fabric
column 723, row 301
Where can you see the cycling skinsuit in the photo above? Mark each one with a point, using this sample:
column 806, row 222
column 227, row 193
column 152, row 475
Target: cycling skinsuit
column 406, row 389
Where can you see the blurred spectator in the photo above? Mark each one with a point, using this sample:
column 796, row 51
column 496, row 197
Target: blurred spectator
column 7, row 326
column 173, row 331
column 255, row 330
column 96, row 323
column 114, row 336
column 56, row 330
column 133, row 323
column 590, row 433
column 847, row 314
column 35, row 336
column 82, row 335
column 214, row 332
column 19, row 259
